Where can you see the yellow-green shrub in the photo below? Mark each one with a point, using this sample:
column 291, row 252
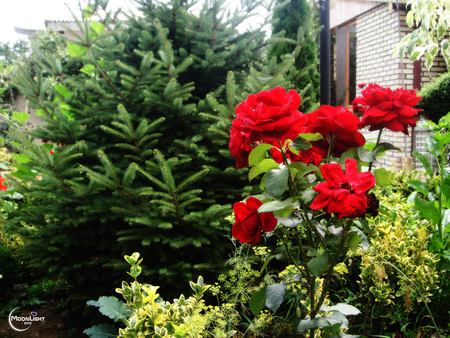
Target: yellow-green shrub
column 398, row 272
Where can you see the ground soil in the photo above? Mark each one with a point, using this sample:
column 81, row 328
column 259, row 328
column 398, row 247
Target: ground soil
column 55, row 324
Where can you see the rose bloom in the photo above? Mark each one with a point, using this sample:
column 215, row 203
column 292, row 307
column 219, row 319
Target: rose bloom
column 345, row 195
column 270, row 115
column 2, row 187
column 388, row 109
column 239, row 147
column 249, row 223
column 336, row 125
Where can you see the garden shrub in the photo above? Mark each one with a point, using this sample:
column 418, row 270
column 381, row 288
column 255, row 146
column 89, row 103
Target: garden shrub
column 9, row 267
column 435, row 98
column 144, row 313
column 135, row 144
column 398, row 273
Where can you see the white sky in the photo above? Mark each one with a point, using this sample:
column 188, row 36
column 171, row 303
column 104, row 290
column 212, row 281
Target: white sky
column 31, row 14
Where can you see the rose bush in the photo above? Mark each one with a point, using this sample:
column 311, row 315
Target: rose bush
column 307, row 201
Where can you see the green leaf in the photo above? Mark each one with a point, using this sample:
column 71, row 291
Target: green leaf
column 289, row 221
column 21, row 158
column 427, row 209
column 409, row 18
column 318, row 265
column 101, row 331
column 276, row 181
column 423, row 159
column 302, row 168
column 432, row 146
column 353, row 241
column 24, row 170
column 111, row 307
column 300, row 144
column 16, row 196
column 275, row 296
column 307, row 324
column 283, row 212
column 369, row 146
column 366, row 155
column 76, row 50
column 436, row 243
column 262, row 167
column 258, row 154
column 61, row 89
column 446, row 220
column 87, row 12
column 88, row 69
column 442, row 139
column 345, row 309
column 308, row 195
column 258, row 301
column 47, row 147
column 385, row 146
column 364, row 243
column 40, row 112
column 20, row 117
column 382, row 177
column 97, row 27
column 273, row 206
column 311, row 137
column 419, row 186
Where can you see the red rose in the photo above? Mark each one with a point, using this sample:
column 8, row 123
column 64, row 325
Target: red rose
column 361, row 85
column 2, row 187
column 239, row 147
column 345, row 195
column 388, row 109
column 249, row 223
column 270, row 115
column 307, row 156
column 338, row 126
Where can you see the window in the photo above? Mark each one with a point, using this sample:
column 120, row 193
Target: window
column 345, row 64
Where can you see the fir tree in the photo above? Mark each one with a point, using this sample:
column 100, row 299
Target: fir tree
column 295, row 20
column 139, row 137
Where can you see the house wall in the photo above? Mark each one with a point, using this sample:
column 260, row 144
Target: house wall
column 377, row 36
column 346, row 10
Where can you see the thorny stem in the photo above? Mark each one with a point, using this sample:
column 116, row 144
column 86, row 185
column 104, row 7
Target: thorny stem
column 331, row 269
column 378, row 142
column 291, row 181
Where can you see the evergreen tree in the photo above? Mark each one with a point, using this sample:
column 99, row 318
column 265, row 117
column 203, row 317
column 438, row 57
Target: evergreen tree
column 295, row 19
column 138, row 158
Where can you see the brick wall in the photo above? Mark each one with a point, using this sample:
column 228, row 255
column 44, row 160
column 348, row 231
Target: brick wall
column 377, row 36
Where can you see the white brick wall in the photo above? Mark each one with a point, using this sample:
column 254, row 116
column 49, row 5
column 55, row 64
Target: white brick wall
column 377, row 36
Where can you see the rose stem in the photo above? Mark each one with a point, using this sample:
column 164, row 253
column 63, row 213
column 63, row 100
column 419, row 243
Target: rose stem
column 378, row 142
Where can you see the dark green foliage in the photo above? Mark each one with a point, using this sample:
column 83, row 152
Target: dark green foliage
column 107, row 188
column 140, row 138
column 291, row 19
column 435, row 98
column 9, row 266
